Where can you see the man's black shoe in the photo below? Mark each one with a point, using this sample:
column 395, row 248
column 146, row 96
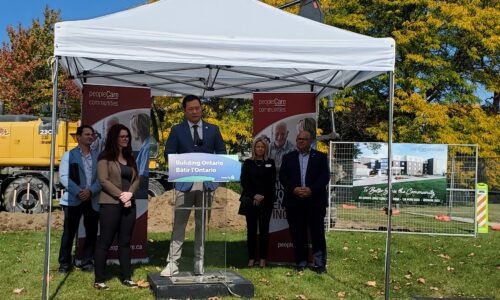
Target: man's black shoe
column 64, row 269
column 320, row 270
column 87, row 268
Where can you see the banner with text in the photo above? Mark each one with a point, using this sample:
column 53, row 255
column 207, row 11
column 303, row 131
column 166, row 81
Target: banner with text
column 419, row 173
column 279, row 117
column 104, row 106
column 199, row 167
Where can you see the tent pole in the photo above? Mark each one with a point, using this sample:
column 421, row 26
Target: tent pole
column 389, row 189
column 46, row 265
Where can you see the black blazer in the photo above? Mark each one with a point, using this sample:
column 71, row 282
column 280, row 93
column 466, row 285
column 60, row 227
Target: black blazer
column 317, row 178
column 259, row 179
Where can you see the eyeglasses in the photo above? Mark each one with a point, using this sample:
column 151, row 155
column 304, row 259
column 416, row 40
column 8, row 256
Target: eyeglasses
column 124, row 137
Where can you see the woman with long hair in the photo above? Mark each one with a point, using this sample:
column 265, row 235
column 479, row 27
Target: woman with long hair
column 258, row 179
column 117, row 173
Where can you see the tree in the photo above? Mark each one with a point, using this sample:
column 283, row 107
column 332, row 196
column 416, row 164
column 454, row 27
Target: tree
column 25, row 69
column 445, row 52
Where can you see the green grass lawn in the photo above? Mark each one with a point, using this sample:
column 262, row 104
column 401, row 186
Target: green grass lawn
column 450, row 266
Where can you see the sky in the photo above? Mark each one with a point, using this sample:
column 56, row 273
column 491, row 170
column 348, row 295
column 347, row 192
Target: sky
column 13, row 12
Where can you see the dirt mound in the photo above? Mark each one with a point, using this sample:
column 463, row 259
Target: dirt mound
column 37, row 222
column 160, row 215
column 160, row 212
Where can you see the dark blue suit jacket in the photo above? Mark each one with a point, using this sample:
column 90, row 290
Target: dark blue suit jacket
column 317, row 178
column 180, row 141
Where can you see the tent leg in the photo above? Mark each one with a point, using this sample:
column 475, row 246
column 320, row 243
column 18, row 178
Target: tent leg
column 389, row 189
column 46, row 265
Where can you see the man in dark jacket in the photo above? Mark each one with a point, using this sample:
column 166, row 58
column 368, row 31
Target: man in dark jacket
column 305, row 175
column 192, row 135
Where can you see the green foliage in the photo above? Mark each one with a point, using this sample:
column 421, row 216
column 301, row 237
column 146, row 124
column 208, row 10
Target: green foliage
column 445, row 51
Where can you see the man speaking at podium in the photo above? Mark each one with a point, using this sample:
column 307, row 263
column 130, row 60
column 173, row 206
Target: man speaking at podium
column 192, row 135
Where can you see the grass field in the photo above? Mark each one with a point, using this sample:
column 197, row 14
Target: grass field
column 420, row 266
column 414, row 218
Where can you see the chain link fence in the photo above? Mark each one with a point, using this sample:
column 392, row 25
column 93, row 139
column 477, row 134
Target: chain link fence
column 453, row 214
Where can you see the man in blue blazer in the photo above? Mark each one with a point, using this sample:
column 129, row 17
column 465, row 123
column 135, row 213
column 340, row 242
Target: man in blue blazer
column 192, row 135
column 305, row 174
column 78, row 175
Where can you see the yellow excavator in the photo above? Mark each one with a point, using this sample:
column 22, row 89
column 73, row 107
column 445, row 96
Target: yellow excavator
column 25, row 162
column 25, row 159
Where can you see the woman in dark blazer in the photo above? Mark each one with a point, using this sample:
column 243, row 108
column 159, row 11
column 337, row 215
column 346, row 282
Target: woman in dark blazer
column 258, row 179
column 117, row 173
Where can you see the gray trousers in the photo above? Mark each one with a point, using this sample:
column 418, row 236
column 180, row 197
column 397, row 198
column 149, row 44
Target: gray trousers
column 184, row 203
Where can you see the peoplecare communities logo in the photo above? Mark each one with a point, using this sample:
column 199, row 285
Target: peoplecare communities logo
column 272, row 105
column 103, row 98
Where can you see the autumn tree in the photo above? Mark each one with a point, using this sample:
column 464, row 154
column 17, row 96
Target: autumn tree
column 25, row 69
column 446, row 51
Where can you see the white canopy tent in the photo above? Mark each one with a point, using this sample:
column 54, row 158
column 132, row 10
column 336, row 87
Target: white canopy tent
column 217, row 48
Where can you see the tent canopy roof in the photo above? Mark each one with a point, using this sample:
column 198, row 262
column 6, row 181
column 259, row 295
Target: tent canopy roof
column 218, row 48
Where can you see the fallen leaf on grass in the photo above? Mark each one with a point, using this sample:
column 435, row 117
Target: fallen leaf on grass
column 421, row 280
column 301, row 297
column 434, row 288
column 143, row 284
column 345, row 248
column 371, row 283
column 397, row 287
column 288, row 274
column 408, row 276
column 444, row 256
column 18, row 291
column 341, row 294
column 158, row 269
column 151, row 240
column 450, row 269
column 280, row 298
column 471, row 254
column 25, row 271
column 408, row 283
column 300, row 273
column 264, row 281
column 213, row 298
column 498, row 267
